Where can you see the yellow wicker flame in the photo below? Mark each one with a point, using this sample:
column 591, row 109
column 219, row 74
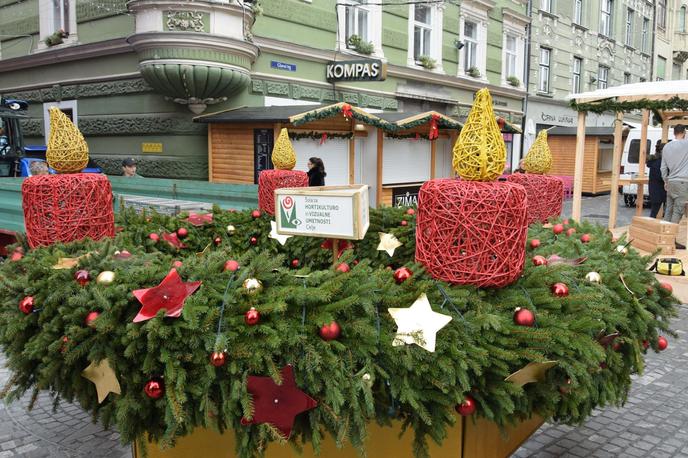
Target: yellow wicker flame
column 283, row 155
column 67, row 150
column 539, row 157
column 480, row 152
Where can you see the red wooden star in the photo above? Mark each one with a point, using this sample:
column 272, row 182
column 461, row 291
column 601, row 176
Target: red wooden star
column 173, row 240
column 170, row 295
column 199, row 219
column 278, row 404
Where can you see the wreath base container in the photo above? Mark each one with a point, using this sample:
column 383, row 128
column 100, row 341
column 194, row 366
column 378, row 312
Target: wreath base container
column 545, row 195
column 471, row 232
column 467, row 439
column 269, row 180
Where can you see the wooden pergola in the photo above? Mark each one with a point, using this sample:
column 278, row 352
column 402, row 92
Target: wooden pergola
column 668, row 100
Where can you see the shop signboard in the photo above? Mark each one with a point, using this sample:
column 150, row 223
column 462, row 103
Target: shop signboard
column 356, row 70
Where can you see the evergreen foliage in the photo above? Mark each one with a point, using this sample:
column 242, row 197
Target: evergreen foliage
column 356, row 379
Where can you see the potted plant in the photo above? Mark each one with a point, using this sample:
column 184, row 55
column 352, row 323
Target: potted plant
column 513, row 81
column 357, row 43
column 427, row 62
column 56, row 38
column 473, row 72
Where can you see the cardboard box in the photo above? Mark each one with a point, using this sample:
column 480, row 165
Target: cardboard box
column 654, row 225
column 651, row 237
column 651, row 247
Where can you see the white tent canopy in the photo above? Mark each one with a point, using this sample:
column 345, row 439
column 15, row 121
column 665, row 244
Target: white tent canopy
column 655, row 90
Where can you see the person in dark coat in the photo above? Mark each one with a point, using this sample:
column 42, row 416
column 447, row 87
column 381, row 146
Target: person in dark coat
column 656, row 183
column 316, row 172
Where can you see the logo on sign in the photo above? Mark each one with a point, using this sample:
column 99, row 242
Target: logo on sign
column 288, row 213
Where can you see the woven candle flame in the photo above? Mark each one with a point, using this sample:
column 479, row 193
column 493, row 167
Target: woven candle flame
column 539, row 157
column 67, row 150
column 283, row 155
column 480, row 152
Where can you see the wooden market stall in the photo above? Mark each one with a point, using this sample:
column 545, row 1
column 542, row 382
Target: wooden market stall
column 668, row 100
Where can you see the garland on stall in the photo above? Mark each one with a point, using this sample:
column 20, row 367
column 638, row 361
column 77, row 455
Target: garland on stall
column 319, row 135
column 610, row 105
column 416, row 136
column 346, row 110
column 442, row 121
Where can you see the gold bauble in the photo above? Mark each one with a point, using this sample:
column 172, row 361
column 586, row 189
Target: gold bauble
column 106, row 277
column 593, row 277
column 622, row 249
column 253, row 285
column 231, row 230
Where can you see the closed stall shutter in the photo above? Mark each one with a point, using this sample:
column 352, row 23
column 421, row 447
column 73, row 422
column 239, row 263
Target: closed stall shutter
column 405, row 161
column 335, row 156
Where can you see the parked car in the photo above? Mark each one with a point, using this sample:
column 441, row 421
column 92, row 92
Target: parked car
column 631, row 158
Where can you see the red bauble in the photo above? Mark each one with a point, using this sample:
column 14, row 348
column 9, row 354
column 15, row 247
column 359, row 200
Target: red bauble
column 560, row 290
column 253, row 241
column 558, row 228
column 231, row 265
column 616, row 346
column 467, row 407
column 252, row 317
column 404, row 222
column 124, row 254
column 666, row 287
column 90, row 318
column 662, row 343
column 154, row 389
column 343, row 267
column 534, row 243
column 330, row 331
column 410, row 211
column 177, row 264
column 295, row 263
column 255, row 213
column 154, row 237
column 646, row 344
column 65, row 342
column 217, row 241
column 182, row 232
column 26, row 305
column 585, row 238
column 524, row 317
column 16, row 255
column 402, row 274
column 82, row 277
column 570, row 231
column 566, row 221
column 539, row 260
column 218, row 358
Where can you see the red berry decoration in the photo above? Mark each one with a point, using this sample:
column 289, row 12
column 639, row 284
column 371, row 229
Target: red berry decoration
column 539, row 260
column 253, row 241
column 666, row 287
column 90, row 318
column 255, row 213
column 410, row 211
column 404, row 222
column 217, row 241
column 218, row 358
column 616, row 346
column 646, row 344
column 534, row 243
column 182, row 232
column 585, row 238
column 154, row 389
column 402, row 274
column 252, row 317
column 82, row 277
column 330, row 331
column 467, row 407
column 231, row 265
column 570, row 231
column 524, row 317
column 295, row 263
column 16, row 256
column 343, row 267
column 560, row 290
column 177, row 264
column 662, row 343
column 558, row 228
column 154, row 237
column 26, row 305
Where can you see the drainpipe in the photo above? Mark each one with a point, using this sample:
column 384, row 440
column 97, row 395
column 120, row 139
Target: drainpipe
column 526, row 82
column 652, row 49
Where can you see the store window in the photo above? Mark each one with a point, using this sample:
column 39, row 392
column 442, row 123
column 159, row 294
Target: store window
column 545, row 56
column 607, row 7
column 360, row 27
column 602, row 77
column 57, row 20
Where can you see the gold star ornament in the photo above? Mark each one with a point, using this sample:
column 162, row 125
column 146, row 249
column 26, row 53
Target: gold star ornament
column 103, row 377
column 532, row 372
column 388, row 243
column 418, row 324
column 68, row 263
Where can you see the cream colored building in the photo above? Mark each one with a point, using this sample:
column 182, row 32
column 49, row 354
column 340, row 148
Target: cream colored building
column 671, row 40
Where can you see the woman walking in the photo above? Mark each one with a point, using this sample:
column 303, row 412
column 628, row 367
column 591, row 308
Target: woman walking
column 656, row 183
column 316, row 172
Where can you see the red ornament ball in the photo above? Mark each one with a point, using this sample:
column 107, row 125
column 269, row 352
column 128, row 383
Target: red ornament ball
column 16, row 255
column 82, row 277
column 467, row 407
column 524, row 317
column 616, row 346
column 177, row 264
column 666, row 287
column 65, row 342
column 295, row 263
column 404, row 222
column 402, row 274
column 560, row 290
column 182, row 232
column 410, row 211
column 154, row 389
column 585, row 238
column 566, row 221
column 218, row 358
column 539, row 260
column 217, row 241
column 253, row 241
column 558, row 228
column 343, row 267
column 90, row 318
column 26, row 305
column 231, row 265
column 154, row 237
column 252, row 317
column 570, row 231
column 330, row 331
column 534, row 243
column 662, row 343
column 255, row 213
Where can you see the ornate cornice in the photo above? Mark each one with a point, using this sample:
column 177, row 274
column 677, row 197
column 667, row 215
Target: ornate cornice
column 105, row 126
column 57, row 92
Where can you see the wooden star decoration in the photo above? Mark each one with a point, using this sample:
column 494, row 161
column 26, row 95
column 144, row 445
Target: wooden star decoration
column 173, row 240
column 68, row 263
column 388, row 243
column 532, row 372
column 199, row 219
column 282, row 239
column 277, row 404
column 418, row 324
column 170, row 295
column 103, row 377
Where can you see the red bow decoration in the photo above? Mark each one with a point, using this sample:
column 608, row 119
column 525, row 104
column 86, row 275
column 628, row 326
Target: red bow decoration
column 434, row 131
column 346, row 111
column 323, row 138
column 198, row 219
column 343, row 245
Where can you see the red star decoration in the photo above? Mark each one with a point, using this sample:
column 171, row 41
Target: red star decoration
column 170, row 295
column 173, row 240
column 198, row 219
column 343, row 245
column 278, row 404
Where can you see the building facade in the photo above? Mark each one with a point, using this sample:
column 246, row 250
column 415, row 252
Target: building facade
column 671, row 40
column 134, row 74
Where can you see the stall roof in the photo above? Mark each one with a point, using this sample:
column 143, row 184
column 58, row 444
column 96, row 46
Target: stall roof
column 654, row 90
column 256, row 114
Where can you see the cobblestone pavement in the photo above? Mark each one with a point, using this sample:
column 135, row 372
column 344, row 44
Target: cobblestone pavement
column 654, row 423
column 596, row 209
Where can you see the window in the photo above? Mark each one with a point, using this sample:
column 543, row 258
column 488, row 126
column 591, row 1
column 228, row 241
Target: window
column 676, row 71
column 602, row 77
column 361, row 19
column 470, row 37
column 578, row 12
column 682, row 20
column 546, row 5
column 661, row 14
column 643, row 39
column 630, row 16
column 627, row 78
column 61, row 15
column 357, row 18
column 661, row 68
column 576, row 75
column 545, row 55
column 510, row 56
column 57, row 16
column 634, row 151
column 606, row 17
column 422, row 28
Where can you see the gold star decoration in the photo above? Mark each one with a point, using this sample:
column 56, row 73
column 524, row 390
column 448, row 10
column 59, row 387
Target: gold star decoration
column 388, row 243
column 282, row 239
column 532, row 372
column 68, row 263
column 103, row 377
column 418, row 324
